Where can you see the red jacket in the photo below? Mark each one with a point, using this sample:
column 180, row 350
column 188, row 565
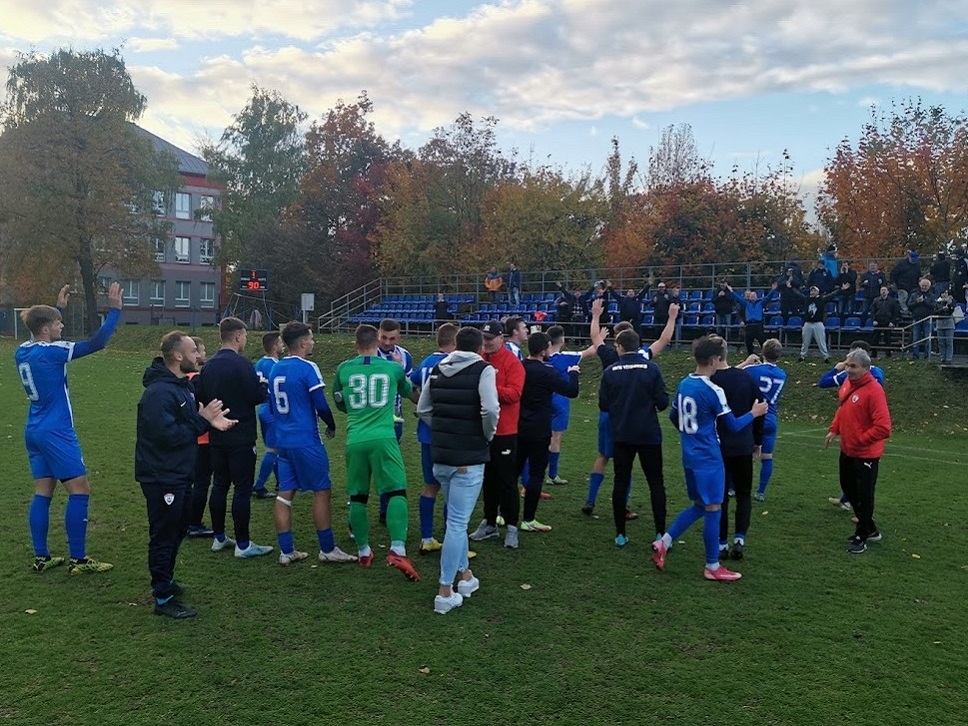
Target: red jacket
column 203, row 439
column 863, row 420
column 510, row 384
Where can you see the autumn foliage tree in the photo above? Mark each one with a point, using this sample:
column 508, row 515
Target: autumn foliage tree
column 904, row 184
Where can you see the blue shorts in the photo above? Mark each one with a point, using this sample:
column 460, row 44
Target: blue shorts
column 606, row 446
column 706, row 486
column 560, row 410
column 54, row 454
column 266, row 420
column 428, row 465
column 304, row 469
column 769, row 434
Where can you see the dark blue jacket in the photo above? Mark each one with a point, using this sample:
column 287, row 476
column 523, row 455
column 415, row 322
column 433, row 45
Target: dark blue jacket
column 168, row 426
column 540, row 382
column 231, row 378
column 632, row 392
column 741, row 393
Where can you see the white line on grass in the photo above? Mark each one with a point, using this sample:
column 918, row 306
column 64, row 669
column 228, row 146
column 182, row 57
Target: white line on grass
column 892, row 455
column 811, row 432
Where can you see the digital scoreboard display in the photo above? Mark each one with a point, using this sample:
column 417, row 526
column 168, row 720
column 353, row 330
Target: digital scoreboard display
column 254, row 280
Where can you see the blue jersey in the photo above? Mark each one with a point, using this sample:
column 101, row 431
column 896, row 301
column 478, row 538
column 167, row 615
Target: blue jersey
column 561, row 362
column 295, row 391
column 697, row 405
column 263, row 366
column 406, row 360
column 514, row 348
column 43, row 371
column 419, row 379
column 770, row 379
column 835, row 379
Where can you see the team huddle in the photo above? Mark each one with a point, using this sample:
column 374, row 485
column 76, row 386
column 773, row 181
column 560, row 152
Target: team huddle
column 492, row 406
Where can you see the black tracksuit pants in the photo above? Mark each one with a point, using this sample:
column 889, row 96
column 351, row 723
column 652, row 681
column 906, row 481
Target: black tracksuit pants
column 858, row 478
column 650, row 459
column 167, row 522
column 535, row 452
column 232, row 465
column 739, row 478
column 501, row 481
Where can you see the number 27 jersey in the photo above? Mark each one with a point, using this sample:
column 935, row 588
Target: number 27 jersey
column 367, row 387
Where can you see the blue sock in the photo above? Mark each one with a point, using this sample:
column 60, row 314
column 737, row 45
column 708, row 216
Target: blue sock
column 243, row 544
column 267, row 468
column 427, row 516
column 220, row 537
column 628, row 497
column 710, row 536
column 766, row 471
column 326, row 540
column 687, row 518
column 75, row 522
column 553, row 464
column 594, row 484
column 287, row 543
column 526, row 473
column 38, row 517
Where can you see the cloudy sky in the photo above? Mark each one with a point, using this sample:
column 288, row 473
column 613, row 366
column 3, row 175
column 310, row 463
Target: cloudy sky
column 563, row 76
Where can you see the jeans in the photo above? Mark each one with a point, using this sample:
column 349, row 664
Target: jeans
column 811, row 332
column 515, row 295
column 722, row 324
column 921, row 332
column 845, row 306
column 461, row 486
column 946, row 344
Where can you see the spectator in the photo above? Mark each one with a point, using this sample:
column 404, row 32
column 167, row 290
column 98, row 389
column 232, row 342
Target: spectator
column 940, row 272
column 814, row 315
column 725, row 306
column 794, row 273
column 598, row 291
column 829, row 259
column 660, row 305
column 959, row 277
column 790, row 295
column 863, row 423
column 871, row 283
column 752, row 308
column 946, row 326
column 922, row 304
column 569, row 308
column 630, row 306
column 905, row 276
column 493, row 282
column 441, row 310
column 886, row 315
column 514, row 283
column 846, row 286
column 821, row 278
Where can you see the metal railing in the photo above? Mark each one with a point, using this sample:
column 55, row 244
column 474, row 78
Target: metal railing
column 345, row 306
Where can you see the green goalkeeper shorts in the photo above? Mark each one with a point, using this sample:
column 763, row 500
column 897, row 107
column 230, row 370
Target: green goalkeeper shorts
column 377, row 460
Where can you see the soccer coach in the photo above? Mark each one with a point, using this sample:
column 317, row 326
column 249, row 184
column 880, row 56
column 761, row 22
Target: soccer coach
column 863, row 423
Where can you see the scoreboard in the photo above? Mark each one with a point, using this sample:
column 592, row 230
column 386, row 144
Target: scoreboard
column 253, row 280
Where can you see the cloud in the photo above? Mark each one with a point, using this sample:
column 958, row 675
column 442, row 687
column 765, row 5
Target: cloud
column 151, row 45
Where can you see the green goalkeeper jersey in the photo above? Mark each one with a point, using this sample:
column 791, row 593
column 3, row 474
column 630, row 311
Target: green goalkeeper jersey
column 365, row 389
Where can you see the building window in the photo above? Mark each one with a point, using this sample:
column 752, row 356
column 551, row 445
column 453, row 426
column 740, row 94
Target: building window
column 158, row 291
column 159, row 245
column 183, row 249
column 103, row 283
column 158, row 204
column 206, row 250
column 183, row 205
column 183, row 294
column 206, row 203
column 207, row 294
column 132, row 291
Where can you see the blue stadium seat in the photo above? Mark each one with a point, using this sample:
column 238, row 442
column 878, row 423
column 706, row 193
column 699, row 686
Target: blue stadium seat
column 833, row 322
column 795, row 322
column 690, row 321
column 852, row 323
column 695, row 294
column 694, row 307
column 775, row 322
column 708, row 321
column 708, row 307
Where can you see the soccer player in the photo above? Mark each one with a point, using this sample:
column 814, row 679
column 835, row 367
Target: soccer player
column 297, row 400
column 169, row 424
column 608, row 355
column 561, row 361
column 229, row 377
column 202, row 476
column 632, row 392
column 517, row 335
column 541, row 382
column 770, row 379
column 52, row 446
column 459, row 402
column 446, row 343
column 389, row 349
column 737, row 448
column 698, row 404
column 272, row 345
column 366, row 388
column 863, row 423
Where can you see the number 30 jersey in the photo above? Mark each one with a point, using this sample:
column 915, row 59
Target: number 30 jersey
column 366, row 388
column 697, row 405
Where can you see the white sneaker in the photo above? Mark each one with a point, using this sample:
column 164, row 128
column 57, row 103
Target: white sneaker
column 466, row 588
column 511, row 538
column 444, row 605
column 253, row 550
column 294, row 556
column 224, row 544
column 337, row 555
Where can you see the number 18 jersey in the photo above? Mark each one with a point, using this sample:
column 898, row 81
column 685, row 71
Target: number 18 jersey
column 698, row 403
column 367, row 387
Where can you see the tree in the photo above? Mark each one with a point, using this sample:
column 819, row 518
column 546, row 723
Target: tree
column 904, row 185
column 77, row 180
column 259, row 158
column 676, row 161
